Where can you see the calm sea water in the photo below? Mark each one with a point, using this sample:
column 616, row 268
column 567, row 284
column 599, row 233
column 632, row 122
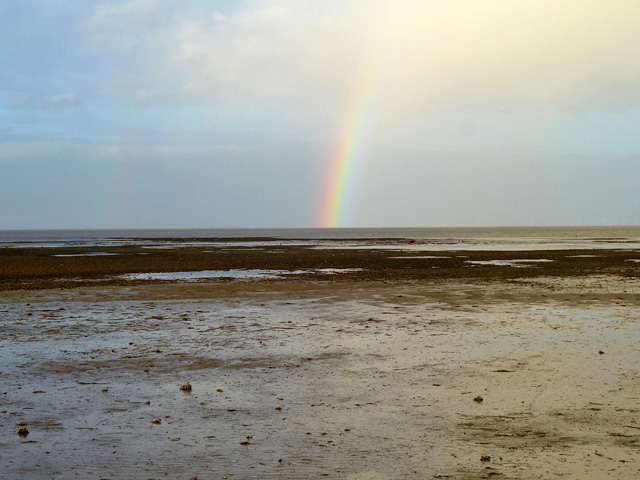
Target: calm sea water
column 425, row 238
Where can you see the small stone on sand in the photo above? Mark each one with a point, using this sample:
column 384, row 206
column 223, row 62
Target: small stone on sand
column 23, row 432
column 186, row 387
column 478, row 399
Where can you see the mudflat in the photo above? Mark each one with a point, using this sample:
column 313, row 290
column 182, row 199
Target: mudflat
column 453, row 365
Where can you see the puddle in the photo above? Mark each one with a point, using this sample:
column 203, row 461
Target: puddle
column 89, row 254
column 518, row 263
column 205, row 274
column 578, row 314
column 329, row 270
column 420, row 256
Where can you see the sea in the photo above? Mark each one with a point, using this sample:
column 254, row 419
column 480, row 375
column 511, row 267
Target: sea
column 413, row 238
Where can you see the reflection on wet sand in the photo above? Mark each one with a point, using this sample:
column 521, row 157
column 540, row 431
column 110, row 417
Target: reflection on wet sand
column 315, row 379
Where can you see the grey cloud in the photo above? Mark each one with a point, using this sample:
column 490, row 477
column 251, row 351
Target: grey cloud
column 417, row 55
column 60, row 102
column 24, row 101
column 5, row 131
column 55, row 102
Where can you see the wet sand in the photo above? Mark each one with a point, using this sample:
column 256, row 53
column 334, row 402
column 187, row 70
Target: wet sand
column 367, row 375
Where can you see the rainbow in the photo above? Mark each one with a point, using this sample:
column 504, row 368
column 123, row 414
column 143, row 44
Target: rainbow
column 347, row 155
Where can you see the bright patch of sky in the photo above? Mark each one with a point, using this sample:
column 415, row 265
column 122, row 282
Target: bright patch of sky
column 155, row 113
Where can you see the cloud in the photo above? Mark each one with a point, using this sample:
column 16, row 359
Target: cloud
column 416, row 55
column 55, row 102
column 60, row 102
column 5, row 131
column 24, row 101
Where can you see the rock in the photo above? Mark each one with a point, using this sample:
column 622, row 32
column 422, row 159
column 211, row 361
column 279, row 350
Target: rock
column 478, row 399
column 157, row 421
column 186, row 387
column 23, row 432
column 485, row 458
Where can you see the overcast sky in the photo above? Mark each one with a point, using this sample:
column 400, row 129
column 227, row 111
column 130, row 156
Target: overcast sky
column 226, row 113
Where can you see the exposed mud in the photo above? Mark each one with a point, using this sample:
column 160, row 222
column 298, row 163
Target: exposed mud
column 31, row 268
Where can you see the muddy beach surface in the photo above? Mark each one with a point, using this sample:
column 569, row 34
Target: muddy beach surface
column 451, row 367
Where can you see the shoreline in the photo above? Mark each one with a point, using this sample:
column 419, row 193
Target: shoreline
column 363, row 376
